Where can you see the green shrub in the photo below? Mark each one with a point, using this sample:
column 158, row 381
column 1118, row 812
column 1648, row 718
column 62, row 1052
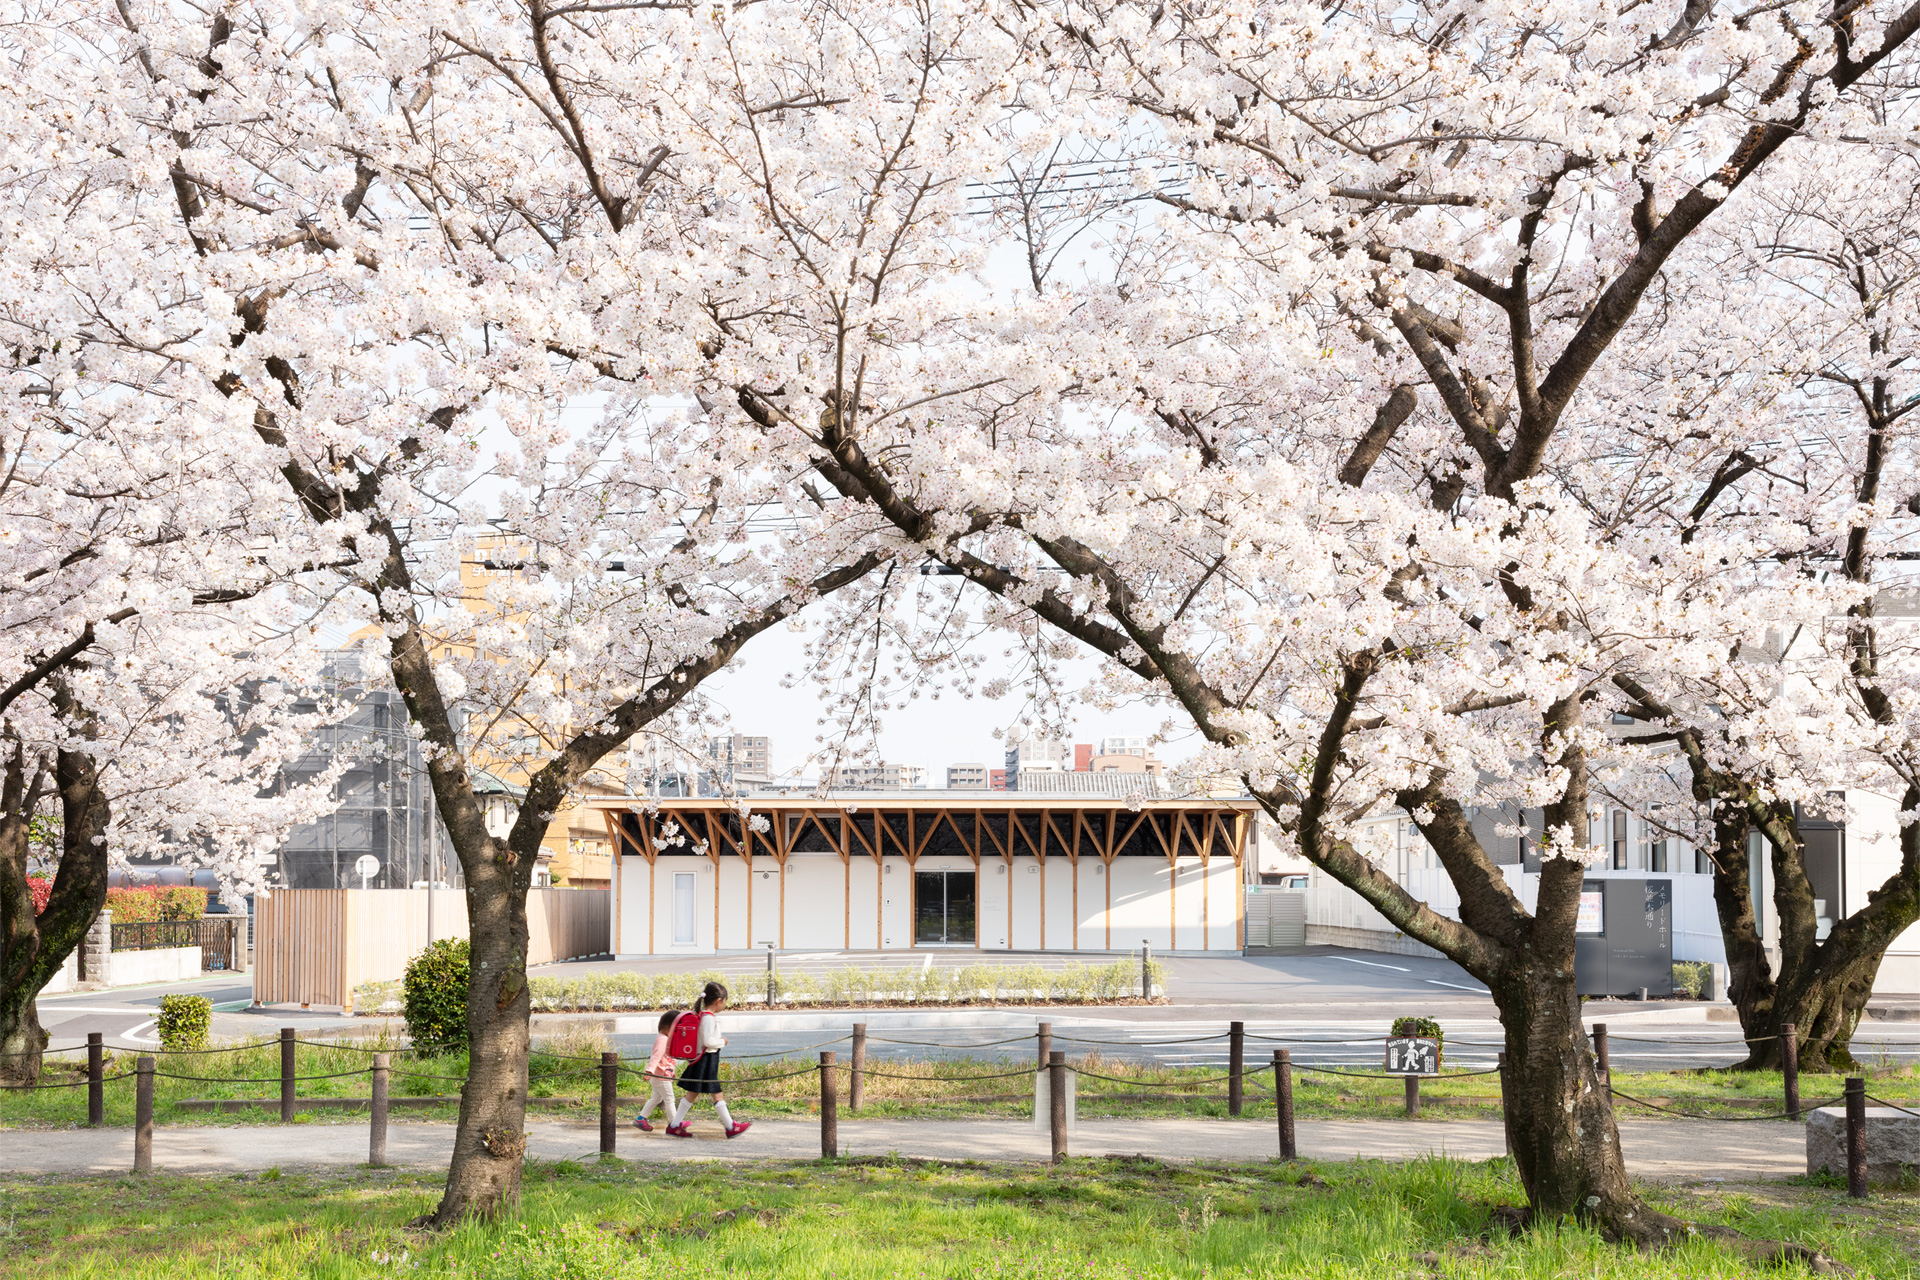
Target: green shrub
column 1690, row 978
column 183, row 1022
column 1423, row 1027
column 435, row 1001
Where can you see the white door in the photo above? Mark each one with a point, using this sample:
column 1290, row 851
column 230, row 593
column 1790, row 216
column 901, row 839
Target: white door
column 683, row 909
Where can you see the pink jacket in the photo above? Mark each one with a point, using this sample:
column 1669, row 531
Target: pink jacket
column 658, row 1064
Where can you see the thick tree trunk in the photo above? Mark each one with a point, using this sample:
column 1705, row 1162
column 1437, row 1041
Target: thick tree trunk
column 1559, row 1115
column 484, row 1176
column 36, row 947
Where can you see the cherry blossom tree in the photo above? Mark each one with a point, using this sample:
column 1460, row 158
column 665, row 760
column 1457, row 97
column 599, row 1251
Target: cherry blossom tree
column 1323, row 522
column 1814, row 700
column 450, row 266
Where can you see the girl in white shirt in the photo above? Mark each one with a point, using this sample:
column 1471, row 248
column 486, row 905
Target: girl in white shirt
column 702, row 1075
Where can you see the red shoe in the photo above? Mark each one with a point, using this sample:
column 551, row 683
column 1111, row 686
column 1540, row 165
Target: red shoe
column 643, row 1124
column 679, row 1131
column 738, row 1127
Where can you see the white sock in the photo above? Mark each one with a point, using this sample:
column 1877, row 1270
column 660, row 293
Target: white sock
column 686, row 1110
column 720, row 1106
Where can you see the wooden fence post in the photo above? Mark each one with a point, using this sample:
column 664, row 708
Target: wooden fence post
column 143, row 1116
column 1413, row 1096
column 286, row 1075
column 1045, row 1036
column 1057, row 1102
column 377, row 1118
column 857, row 1085
column 1856, row 1094
column 1283, row 1102
column 829, row 1109
column 609, row 1102
column 1236, row 1064
column 1790, row 1067
column 96, row 1081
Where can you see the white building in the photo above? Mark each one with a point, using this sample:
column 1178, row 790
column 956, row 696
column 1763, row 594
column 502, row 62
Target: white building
column 877, row 777
column 988, row 871
column 968, row 777
column 1844, row 861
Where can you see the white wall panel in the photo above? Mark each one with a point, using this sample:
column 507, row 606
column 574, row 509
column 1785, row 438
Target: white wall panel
column 1059, row 879
column 993, row 885
column 1140, row 903
column 818, row 900
column 896, row 912
column 1025, row 888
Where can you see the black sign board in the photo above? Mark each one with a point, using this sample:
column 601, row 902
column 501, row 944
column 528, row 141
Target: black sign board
column 1413, row 1055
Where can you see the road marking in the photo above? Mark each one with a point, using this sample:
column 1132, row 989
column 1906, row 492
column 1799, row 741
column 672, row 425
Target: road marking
column 135, row 1036
column 1371, row 965
column 1480, row 991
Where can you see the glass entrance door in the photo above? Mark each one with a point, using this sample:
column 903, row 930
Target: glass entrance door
column 943, row 911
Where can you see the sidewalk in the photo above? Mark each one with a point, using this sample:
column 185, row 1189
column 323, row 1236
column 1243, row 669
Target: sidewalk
column 1654, row 1148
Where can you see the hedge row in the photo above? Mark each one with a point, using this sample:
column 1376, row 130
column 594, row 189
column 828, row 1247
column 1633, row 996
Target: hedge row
column 968, row 984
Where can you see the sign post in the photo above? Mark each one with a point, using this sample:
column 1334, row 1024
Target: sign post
column 366, row 867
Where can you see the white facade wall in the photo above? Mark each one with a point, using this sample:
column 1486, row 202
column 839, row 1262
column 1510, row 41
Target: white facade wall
column 830, row 905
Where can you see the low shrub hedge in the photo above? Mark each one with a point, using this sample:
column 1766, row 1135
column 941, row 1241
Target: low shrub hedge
column 849, row 986
column 183, row 1021
column 434, row 996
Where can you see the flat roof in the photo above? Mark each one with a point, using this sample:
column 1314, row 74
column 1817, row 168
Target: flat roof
column 998, row 801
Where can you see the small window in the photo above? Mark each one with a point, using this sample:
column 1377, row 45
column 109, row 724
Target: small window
column 1657, row 856
column 1619, row 839
column 1702, row 864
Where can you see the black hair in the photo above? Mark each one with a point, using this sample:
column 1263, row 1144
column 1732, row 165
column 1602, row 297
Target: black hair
column 714, row 993
column 667, row 1020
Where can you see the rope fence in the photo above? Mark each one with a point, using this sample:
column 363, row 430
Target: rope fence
column 1050, row 1071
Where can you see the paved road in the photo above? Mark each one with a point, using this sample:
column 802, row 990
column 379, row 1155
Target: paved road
column 1654, row 1148
column 1329, row 1005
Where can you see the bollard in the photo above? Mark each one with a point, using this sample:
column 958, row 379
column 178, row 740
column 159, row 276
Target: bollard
column 1146, row 970
column 1057, row 1102
column 1600, row 1058
column 377, row 1119
column 1283, row 1101
column 772, row 977
column 286, row 1075
column 1500, row 1066
column 1413, row 1097
column 1790, row 1067
column 829, row 1109
column 96, row 1080
column 1856, row 1094
column 1046, row 1044
column 610, row 1102
column 1236, row 1064
column 143, row 1116
column 857, row 1085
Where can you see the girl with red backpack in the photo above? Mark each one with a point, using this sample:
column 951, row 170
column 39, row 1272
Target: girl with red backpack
column 696, row 1038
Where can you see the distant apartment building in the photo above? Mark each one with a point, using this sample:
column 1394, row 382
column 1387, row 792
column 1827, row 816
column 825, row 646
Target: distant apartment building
column 1033, row 756
column 996, row 779
column 969, row 777
column 1122, row 747
column 877, row 777
column 735, row 763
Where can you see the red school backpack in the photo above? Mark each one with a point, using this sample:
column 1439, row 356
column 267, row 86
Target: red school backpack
column 683, row 1042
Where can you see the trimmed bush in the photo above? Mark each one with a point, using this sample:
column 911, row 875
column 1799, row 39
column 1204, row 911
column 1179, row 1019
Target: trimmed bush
column 435, row 996
column 1691, row 977
column 143, row 904
column 1427, row 1027
column 183, row 1022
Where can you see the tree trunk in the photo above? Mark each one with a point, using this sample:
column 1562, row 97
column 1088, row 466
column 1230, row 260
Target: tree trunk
column 1559, row 1116
column 484, row 1176
column 1822, row 986
column 36, row 947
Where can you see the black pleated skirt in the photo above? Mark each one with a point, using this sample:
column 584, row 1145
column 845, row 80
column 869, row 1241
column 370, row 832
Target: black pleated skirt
column 702, row 1074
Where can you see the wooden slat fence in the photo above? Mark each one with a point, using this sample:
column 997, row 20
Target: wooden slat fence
column 314, row 946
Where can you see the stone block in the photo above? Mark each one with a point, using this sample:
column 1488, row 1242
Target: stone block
column 1893, row 1143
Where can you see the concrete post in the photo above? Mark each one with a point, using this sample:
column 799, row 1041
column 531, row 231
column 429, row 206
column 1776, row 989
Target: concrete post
column 377, row 1123
column 829, row 1109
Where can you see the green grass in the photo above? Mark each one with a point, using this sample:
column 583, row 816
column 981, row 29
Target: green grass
column 936, row 1089
column 1090, row 1219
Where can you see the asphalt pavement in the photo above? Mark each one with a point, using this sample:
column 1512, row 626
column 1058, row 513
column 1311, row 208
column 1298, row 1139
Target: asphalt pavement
column 1330, row 1006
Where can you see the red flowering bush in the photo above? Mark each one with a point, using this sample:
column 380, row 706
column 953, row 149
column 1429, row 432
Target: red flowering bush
column 41, row 889
column 139, row 904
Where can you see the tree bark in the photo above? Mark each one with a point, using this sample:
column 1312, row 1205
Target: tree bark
column 36, row 947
